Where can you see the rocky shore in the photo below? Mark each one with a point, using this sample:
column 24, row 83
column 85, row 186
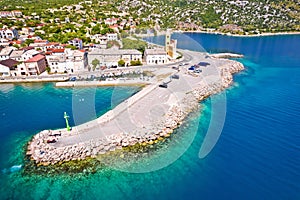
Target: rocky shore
column 42, row 151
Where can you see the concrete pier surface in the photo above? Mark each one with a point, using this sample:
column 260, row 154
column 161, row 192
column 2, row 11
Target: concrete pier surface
column 149, row 115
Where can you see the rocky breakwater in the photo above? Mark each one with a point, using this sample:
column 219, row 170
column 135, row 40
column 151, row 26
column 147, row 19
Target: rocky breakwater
column 226, row 80
column 42, row 151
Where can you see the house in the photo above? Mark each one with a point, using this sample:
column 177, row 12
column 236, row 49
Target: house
column 39, row 44
column 77, row 60
column 112, row 36
column 8, row 67
column 100, row 39
column 22, row 70
column 155, row 56
column 9, row 33
column 6, row 14
column 17, row 55
column 5, row 53
column 17, row 13
column 57, row 63
column 110, row 21
column 4, row 42
column 76, row 42
column 51, row 45
column 69, row 61
column 29, row 54
column 115, row 27
column 36, row 65
column 58, row 51
column 27, row 30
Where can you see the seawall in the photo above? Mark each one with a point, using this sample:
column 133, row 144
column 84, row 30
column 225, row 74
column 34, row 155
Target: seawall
column 129, row 123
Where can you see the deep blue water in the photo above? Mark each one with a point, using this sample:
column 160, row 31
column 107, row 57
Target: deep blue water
column 256, row 157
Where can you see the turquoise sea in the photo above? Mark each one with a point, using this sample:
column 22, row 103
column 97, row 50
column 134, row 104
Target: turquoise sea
column 256, row 157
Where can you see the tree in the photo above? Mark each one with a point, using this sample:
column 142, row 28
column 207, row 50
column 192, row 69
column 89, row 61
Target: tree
column 135, row 63
column 134, row 44
column 71, row 47
column 48, row 69
column 29, row 41
column 95, row 63
column 121, row 63
column 16, row 45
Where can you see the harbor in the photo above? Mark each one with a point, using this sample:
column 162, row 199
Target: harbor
column 145, row 118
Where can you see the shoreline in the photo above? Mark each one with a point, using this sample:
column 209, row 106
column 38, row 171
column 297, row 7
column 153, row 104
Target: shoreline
column 34, row 80
column 99, row 84
column 84, row 141
column 237, row 35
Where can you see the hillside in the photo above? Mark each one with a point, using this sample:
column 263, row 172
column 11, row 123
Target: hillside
column 250, row 16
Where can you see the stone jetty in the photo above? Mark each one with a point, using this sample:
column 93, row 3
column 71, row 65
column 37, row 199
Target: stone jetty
column 56, row 146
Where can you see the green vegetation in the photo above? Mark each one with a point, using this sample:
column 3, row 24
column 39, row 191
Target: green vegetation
column 121, row 63
column 113, row 43
column 134, row 44
column 61, row 21
column 135, row 63
column 95, row 63
column 48, row 69
column 71, row 47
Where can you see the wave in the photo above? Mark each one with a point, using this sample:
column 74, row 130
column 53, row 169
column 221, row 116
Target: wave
column 14, row 168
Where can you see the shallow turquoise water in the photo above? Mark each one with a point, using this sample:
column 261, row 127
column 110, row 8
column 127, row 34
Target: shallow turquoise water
column 256, row 157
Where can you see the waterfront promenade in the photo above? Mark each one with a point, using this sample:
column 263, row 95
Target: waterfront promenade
column 152, row 113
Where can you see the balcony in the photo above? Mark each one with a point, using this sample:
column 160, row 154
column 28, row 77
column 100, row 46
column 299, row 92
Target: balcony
column 32, row 69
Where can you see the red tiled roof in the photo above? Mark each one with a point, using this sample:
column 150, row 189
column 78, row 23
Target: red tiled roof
column 52, row 43
column 27, row 48
column 40, row 41
column 35, row 58
column 58, row 50
column 10, row 63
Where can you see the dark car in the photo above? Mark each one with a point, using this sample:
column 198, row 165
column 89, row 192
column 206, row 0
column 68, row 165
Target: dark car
column 175, row 76
column 192, row 68
column 73, row 79
column 163, row 85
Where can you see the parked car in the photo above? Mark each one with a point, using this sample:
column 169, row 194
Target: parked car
column 192, row 68
column 163, row 85
column 197, row 70
column 175, row 76
column 73, row 79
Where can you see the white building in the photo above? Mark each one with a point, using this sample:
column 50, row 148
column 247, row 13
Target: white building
column 9, row 33
column 4, row 42
column 5, row 53
column 29, row 54
column 111, row 57
column 8, row 67
column 68, row 62
column 76, row 42
column 110, row 21
column 17, row 55
column 112, row 36
column 100, row 39
column 155, row 56
column 39, row 44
